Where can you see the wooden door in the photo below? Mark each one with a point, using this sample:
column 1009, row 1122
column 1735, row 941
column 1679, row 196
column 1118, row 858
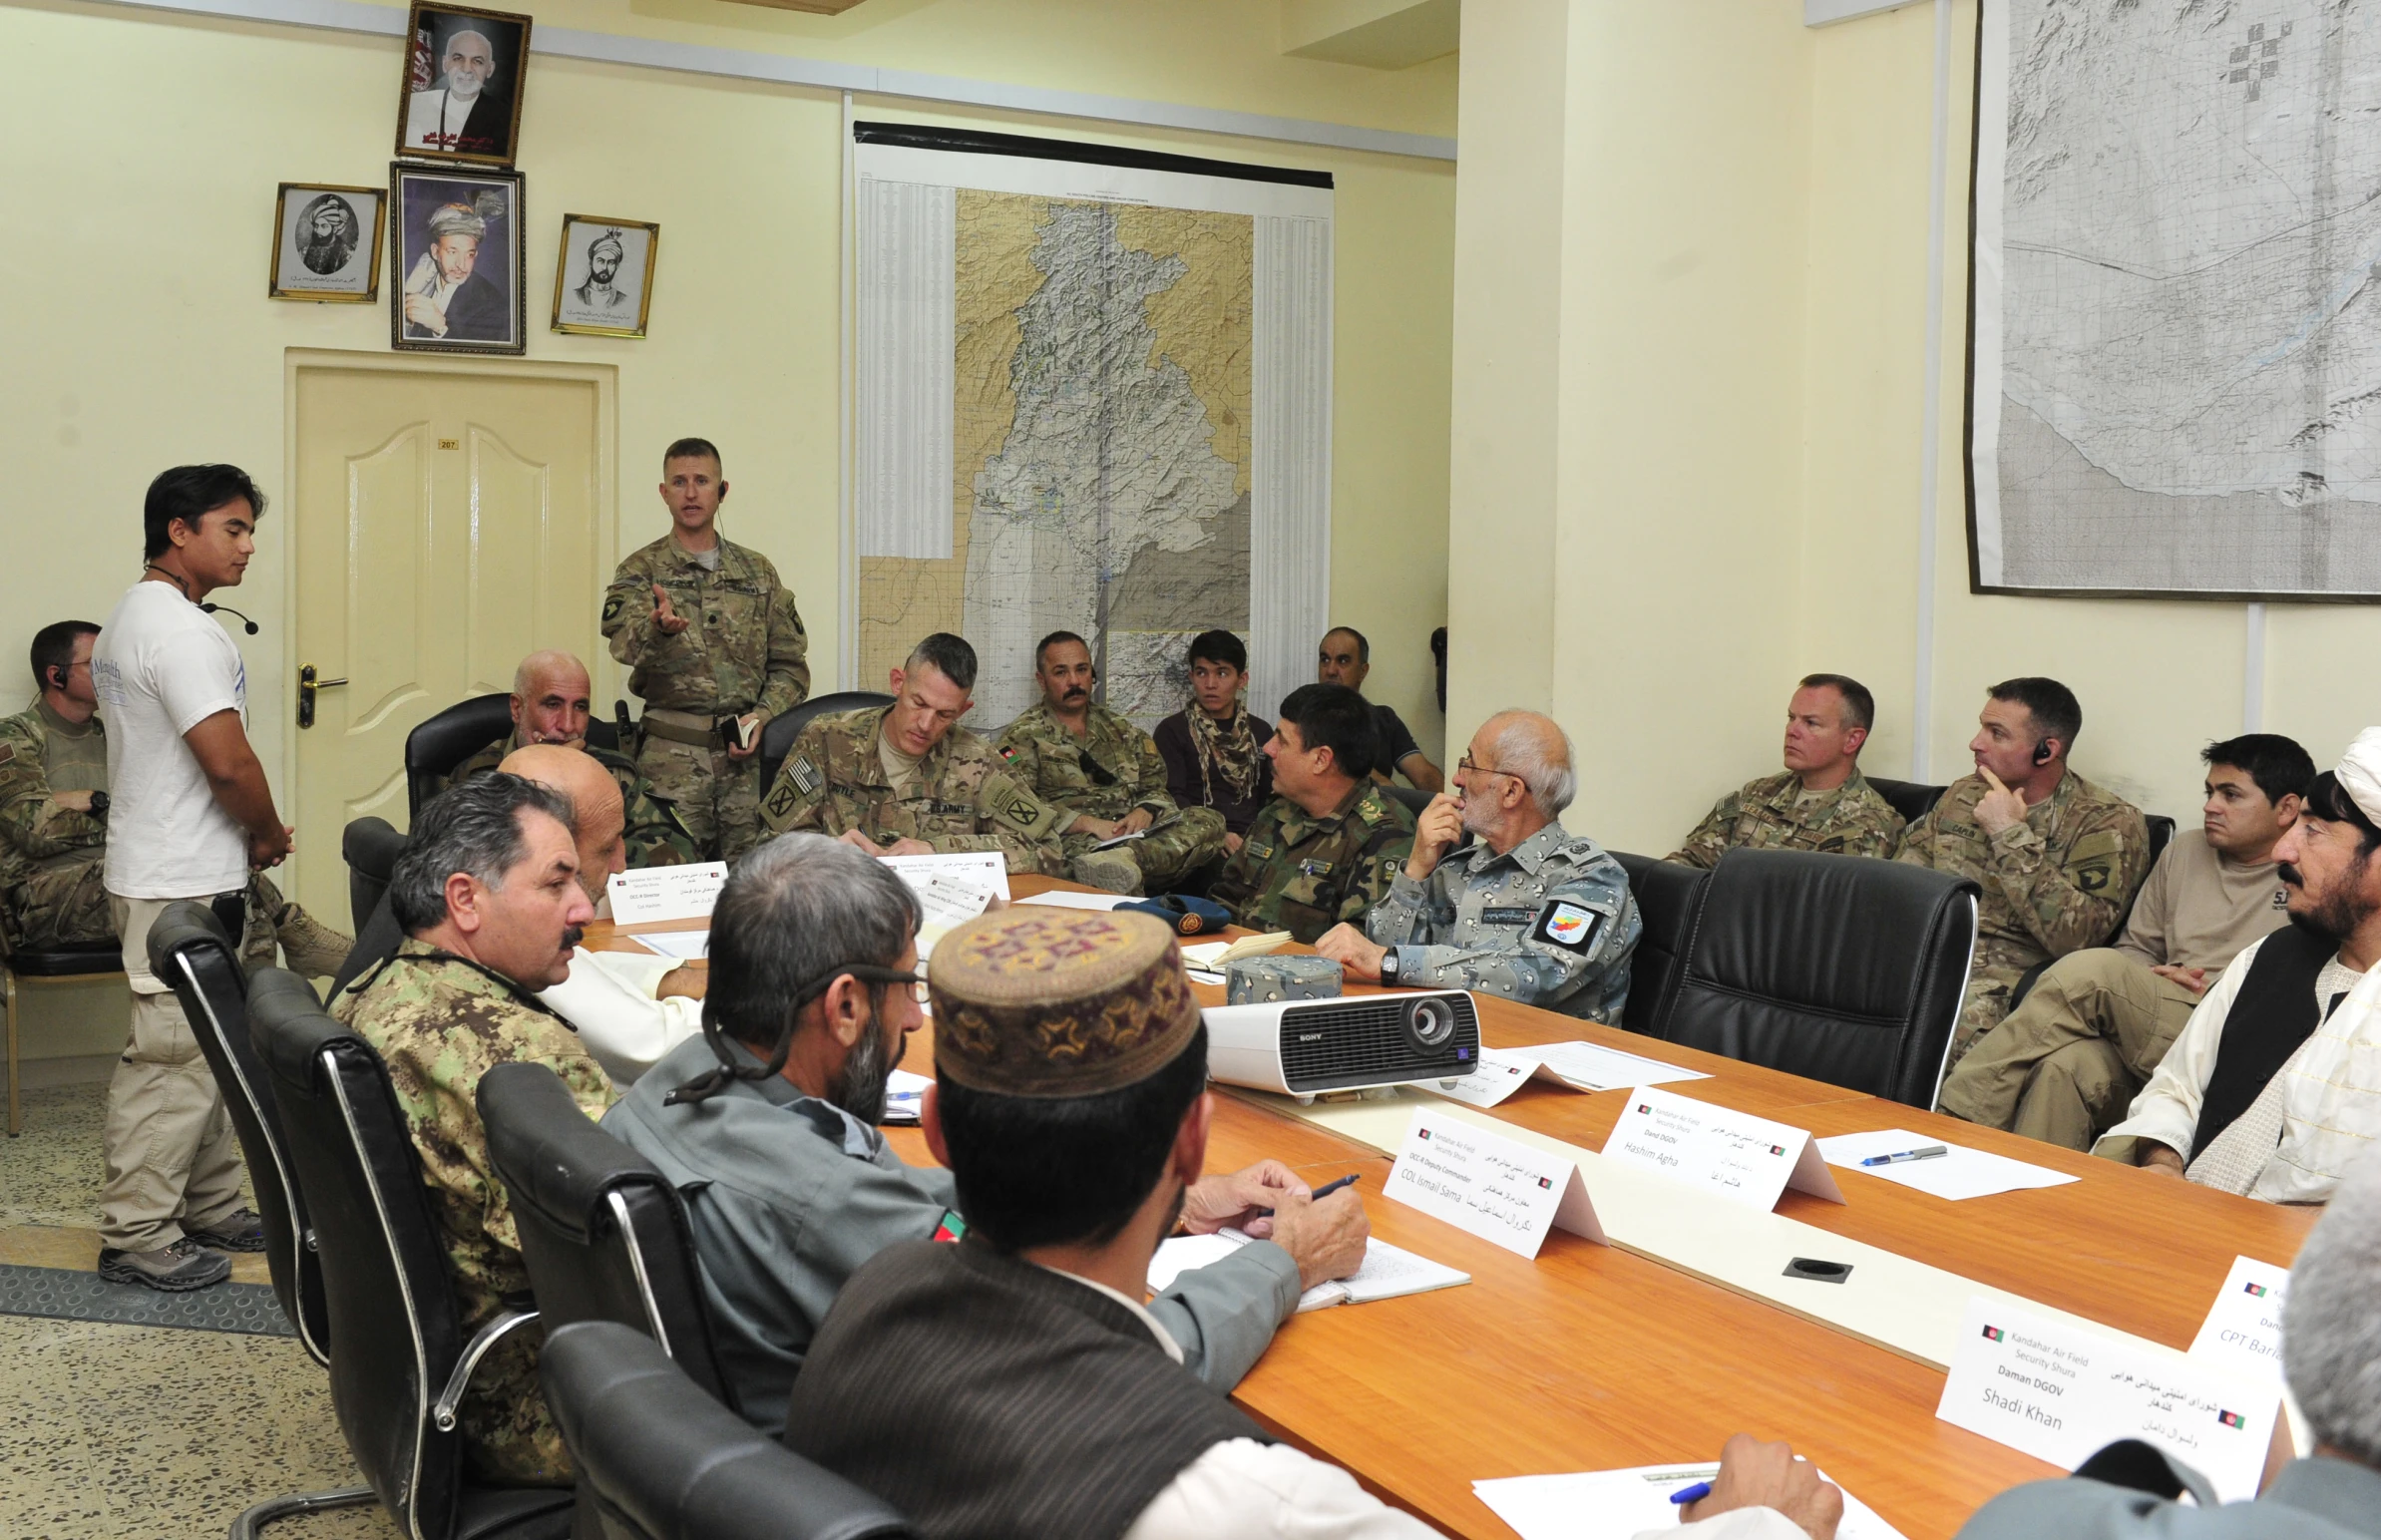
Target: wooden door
column 445, row 524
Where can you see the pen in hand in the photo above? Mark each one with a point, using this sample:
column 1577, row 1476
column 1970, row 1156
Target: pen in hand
column 1928, row 1153
column 1326, row 1190
column 1687, row 1494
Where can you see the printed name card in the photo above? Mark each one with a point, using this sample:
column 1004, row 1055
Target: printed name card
column 1735, row 1154
column 2061, row 1395
column 1582, row 1066
column 2244, row 1329
column 953, row 887
column 1493, row 1187
column 651, row 893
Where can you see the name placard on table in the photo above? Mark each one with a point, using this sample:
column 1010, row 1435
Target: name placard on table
column 653, row 893
column 1750, row 1160
column 2061, row 1394
column 1493, row 1187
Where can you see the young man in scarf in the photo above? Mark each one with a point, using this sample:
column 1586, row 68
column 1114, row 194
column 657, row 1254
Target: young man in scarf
column 1214, row 748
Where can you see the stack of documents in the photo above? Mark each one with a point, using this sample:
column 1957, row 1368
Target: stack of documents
column 1388, row 1273
column 1615, row 1504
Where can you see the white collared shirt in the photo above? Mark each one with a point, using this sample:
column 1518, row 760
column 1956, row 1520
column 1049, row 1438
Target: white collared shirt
column 609, row 998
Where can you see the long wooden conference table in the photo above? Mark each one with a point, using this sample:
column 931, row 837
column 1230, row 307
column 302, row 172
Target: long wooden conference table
column 1595, row 1358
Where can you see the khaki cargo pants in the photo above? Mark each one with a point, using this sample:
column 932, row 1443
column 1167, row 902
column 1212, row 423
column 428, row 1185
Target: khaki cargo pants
column 172, row 1161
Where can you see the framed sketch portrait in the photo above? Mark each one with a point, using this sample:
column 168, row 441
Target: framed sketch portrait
column 455, row 242
column 461, row 96
column 603, row 278
column 326, row 243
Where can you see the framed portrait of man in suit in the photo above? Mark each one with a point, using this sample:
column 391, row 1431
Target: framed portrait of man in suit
column 326, row 243
column 604, row 276
column 458, row 251
column 459, row 99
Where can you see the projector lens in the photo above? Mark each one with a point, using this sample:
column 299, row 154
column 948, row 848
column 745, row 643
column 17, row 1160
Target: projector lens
column 1430, row 1024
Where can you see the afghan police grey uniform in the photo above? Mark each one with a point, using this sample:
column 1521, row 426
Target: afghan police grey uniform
column 1549, row 923
column 1776, row 813
column 1110, row 772
column 743, row 651
column 960, row 795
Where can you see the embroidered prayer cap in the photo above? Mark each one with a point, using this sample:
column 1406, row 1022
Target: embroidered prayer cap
column 457, row 219
column 2361, row 772
column 1035, row 1000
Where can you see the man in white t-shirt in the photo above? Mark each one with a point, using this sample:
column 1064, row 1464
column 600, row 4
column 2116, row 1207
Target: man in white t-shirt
column 189, row 817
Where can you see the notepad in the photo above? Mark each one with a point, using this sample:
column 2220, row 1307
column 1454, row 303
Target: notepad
column 1212, row 956
column 1387, row 1272
column 1066, row 898
column 904, row 1096
column 1139, row 834
column 686, row 945
column 1615, row 1504
column 1958, row 1173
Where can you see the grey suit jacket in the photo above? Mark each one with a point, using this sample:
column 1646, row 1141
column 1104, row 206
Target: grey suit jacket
column 2315, row 1498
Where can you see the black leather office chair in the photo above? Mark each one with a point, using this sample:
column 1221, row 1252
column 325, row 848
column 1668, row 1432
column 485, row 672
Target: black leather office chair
column 189, row 949
column 602, row 1232
column 438, row 745
column 1913, row 800
column 371, row 848
column 44, row 966
column 778, row 736
column 1667, row 895
column 1414, row 797
column 660, row 1461
column 1844, row 968
column 402, row 1361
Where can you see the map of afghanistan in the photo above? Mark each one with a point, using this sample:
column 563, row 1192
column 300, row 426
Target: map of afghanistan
column 2177, row 341
column 1101, row 461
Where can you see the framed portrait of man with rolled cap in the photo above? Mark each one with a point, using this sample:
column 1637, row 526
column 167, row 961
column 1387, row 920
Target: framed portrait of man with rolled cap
column 460, row 97
column 457, row 255
column 326, row 243
column 604, row 276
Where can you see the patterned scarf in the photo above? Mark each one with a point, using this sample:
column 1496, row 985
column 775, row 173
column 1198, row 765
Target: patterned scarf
column 1233, row 750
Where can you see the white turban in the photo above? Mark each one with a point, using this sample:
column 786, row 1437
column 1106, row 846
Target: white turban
column 457, row 219
column 2361, row 772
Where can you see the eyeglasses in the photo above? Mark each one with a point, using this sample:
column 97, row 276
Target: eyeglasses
column 887, row 975
column 1467, row 765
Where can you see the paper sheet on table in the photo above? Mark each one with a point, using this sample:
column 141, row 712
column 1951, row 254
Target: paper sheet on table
column 1615, row 1504
column 1060, row 898
column 1212, row 956
column 1962, row 1173
column 953, row 887
column 904, row 1096
column 686, row 945
column 1582, row 1066
column 1388, row 1272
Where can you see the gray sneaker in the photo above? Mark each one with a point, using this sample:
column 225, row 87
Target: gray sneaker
column 174, row 1269
column 240, row 1230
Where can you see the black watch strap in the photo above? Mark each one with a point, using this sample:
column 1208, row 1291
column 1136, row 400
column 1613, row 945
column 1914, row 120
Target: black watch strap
column 1388, row 965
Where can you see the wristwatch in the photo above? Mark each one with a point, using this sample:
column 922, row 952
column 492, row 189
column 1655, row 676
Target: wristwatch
column 1388, row 965
column 98, row 804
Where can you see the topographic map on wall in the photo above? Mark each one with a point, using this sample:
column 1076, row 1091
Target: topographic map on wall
column 2176, row 318
column 1088, row 396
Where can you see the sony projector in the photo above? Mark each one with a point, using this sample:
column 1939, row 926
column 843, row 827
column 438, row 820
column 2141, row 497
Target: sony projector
column 1306, row 1047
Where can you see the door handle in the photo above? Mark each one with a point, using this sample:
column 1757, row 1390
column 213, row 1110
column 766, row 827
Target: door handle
column 308, row 682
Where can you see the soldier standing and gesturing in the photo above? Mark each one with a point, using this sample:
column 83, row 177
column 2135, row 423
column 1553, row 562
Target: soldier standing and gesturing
column 1531, row 911
column 715, row 647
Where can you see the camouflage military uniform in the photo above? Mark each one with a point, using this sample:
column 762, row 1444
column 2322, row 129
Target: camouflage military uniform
column 440, row 1023
column 1549, row 923
column 2054, row 884
column 1109, row 771
column 52, row 858
column 1304, row 875
column 743, row 651
column 960, row 796
column 1770, row 814
column 651, row 836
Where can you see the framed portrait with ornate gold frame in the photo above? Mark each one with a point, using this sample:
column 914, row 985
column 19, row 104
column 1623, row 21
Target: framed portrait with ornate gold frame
column 326, row 243
column 603, row 275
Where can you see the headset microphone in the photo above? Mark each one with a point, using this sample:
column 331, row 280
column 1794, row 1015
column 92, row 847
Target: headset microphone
column 227, row 609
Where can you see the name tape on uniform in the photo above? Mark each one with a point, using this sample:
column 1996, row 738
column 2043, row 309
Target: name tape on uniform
column 2062, row 1394
column 1749, row 1159
column 651, row 893
column 1490, row 1186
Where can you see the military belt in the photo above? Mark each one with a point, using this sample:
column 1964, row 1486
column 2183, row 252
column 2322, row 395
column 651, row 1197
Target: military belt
column 686, row 727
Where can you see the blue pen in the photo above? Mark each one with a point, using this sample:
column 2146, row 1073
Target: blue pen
column 1695, row 1493
column 1928, row 1153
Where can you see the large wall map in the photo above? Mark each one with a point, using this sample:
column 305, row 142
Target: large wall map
column 2176, row 339
column 1100, row 457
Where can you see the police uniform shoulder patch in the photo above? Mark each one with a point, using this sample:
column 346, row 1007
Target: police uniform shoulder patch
column 803, row 774
column 1570, row 926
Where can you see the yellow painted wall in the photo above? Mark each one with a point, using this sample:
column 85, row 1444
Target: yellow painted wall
column 138, row 334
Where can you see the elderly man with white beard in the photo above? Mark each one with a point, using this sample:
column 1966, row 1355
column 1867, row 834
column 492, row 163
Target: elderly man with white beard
column 465, row 113
column 1530, row 912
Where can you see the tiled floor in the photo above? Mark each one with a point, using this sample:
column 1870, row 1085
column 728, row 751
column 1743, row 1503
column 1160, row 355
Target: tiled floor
column 135, row 1433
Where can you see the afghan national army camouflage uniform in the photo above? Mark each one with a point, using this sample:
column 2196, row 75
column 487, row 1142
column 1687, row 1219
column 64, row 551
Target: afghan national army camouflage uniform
column 1113, row 768
column 958, row 796
column 651, row 836
column 743, row 651
column 1549, row 923
column 2054, row 884
column 1304, row 875
column 52, row 858
column 440, row 1023
column 1772, row 814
